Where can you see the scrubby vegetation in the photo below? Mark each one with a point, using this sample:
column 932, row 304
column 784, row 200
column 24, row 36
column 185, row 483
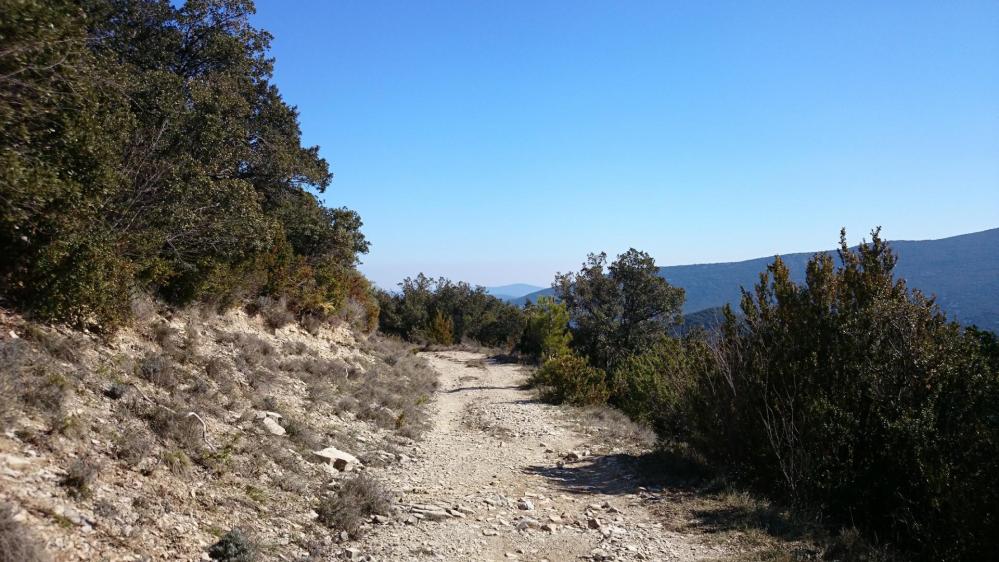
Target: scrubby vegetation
column 17, row 543
column 849, row 393
column 234, row 546
column 144, row 148
column 443, row 312
column 356, row 500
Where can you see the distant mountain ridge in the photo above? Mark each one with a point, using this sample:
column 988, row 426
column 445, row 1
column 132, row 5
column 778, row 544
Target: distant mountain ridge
column 513, row 291
column 962, row 271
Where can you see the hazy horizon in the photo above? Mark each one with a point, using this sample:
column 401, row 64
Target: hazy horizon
column 499, row 143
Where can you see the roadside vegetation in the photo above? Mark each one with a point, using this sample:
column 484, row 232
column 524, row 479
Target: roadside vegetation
column 145, row 149
column 849, row 395
column 442, row 312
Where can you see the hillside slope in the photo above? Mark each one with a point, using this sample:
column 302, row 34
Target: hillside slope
column 962, row 271
column 153, row 444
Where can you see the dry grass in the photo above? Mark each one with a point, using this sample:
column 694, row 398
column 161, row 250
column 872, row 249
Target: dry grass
column 17, row 543
column 357, row 499
column 610, row 428
column 30, row 381
column 133, row 445
column 80, row 477
column 159, row 369
column 274, row 312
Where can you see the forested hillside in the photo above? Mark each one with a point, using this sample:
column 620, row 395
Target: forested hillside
column 961, row 271
column 144, row 148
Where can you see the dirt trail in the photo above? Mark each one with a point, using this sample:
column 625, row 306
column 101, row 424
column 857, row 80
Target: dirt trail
column 491, row 481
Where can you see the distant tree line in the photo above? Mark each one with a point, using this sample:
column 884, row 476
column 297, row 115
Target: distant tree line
column 850, row 392
column 440, row 311
column 144, row 148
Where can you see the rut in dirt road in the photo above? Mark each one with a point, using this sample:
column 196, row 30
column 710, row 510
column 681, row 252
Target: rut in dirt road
column 497, row 478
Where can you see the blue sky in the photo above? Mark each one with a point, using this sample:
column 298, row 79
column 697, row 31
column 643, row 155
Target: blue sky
column 499, row 142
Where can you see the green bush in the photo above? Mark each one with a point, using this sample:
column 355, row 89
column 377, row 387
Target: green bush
column 546, row 331
column 853, row 393
column 419, row 311
column 654, row 387
column 441, row 329
column 234, row 546
column 569, row 378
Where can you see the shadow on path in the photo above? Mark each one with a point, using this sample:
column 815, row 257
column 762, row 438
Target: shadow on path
column 609, row 474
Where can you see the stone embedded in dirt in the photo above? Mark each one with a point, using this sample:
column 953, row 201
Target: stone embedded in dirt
column 525, row 505
column 272, row 426
column 340, row 460
column 548, row 528
column 352, row 554
column 572, row 456
column 490, row 532
column 600, row 554
column 593, row 523
column 526, row 523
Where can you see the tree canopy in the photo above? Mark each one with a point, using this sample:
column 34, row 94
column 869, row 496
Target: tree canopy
column 144, row 147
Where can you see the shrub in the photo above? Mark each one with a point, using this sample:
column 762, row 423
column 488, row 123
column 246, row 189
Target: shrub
column 357, row 499
column 234, row 546
column 79, row 477
column 158, row 369
column 654, row 386
column 853, row 393
column 183, row 430
column 133, row 445
column 17, row 544
column 441, row 329
column 274, row 312
column 546, row 333
column 177, row 461
column 571, row 379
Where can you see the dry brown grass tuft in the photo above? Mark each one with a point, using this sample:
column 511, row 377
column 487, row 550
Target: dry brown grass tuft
column 80, row 477
column 357, row 499
column 30, row 380
column 159, row 369
column 133, row 445
column 274, row 312
column 17, row 543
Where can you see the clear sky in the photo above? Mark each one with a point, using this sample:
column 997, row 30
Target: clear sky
column 501, row 141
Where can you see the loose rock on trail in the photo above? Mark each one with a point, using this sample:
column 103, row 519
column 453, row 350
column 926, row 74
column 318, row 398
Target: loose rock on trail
column 502, row 476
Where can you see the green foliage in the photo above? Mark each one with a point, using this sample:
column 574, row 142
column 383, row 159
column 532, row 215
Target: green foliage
column 654, row 386
column 234, row 546
column 620, row 309
column 569, row 378
column 143, row 148
column 853, row 393
column 441, row 330
column 546, row 331
column 416, row 312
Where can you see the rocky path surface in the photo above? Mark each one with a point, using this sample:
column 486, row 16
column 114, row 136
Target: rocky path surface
column 502, row 476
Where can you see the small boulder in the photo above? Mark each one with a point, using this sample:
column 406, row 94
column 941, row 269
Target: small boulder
column 527, row 523
column 525, row 505
column 340, row 460
column 272, row 426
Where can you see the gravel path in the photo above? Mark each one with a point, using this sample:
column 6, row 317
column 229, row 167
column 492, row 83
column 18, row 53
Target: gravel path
column 498, row 479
